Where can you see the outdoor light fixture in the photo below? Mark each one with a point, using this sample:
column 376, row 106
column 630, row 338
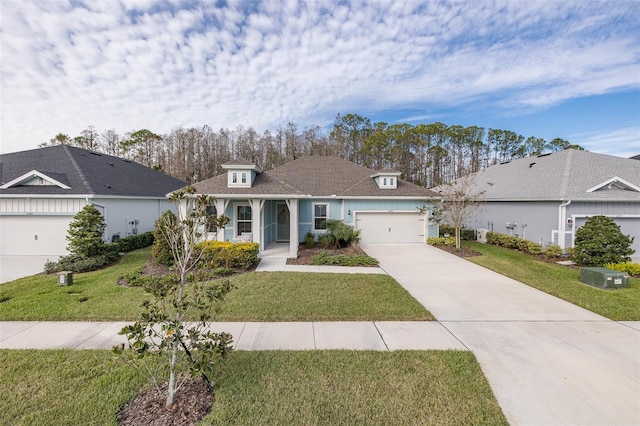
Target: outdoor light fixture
column 570, row 222
column 349, row 212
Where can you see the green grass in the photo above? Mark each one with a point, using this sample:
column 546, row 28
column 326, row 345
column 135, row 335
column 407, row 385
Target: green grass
column 271, row 387
column 259, row 296
column 300, row 296
column 562, row 282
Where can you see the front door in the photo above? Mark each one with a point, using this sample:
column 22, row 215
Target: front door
column 282, row 222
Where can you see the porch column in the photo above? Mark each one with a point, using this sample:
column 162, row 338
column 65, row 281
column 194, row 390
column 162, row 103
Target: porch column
column 256, row 221
column 221, row 209
column 293, row 227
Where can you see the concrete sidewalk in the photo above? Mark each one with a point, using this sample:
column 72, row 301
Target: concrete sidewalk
column 548, row 361
column 379, row 336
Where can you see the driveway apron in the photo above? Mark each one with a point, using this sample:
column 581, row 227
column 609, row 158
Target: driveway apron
column 548, row 361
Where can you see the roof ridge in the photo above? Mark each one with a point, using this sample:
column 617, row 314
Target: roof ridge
column 81, row 173
column 566, row 173
column 281, row 181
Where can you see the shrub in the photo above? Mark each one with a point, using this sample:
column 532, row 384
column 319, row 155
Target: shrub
column 76, row 263
column 340, row 235
column 441, row 241
column 553, row 251
column 631, row 268
column 600, row 241
column 217, row 254
column 465, row 234
column 161, row 251
column 309, row 238
column 507, row 241
column 134, row 242
column 85, row 233
column 323, row 258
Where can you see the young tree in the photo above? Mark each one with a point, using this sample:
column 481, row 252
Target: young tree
column 85, row 234
column 461, row 199
column 600, row 241
column 190, row 348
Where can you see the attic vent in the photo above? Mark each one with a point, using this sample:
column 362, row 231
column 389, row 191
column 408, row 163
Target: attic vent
column 505, row 162
column 111, row 164
column 531, row 165
column 96, row 154
column 544, row 155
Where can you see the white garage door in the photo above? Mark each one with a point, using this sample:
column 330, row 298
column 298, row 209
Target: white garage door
column 34, row 235
column 391, row 227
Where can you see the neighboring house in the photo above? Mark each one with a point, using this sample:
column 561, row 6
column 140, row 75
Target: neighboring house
column 548, row 197
column 285, row 203
column 42, row 189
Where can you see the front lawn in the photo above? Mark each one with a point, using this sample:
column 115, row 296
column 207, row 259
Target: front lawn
column 262, row 296
column 271, row 387
column 561, row 281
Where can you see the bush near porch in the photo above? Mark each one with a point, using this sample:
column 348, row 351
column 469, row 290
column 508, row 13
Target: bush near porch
column 224, row 254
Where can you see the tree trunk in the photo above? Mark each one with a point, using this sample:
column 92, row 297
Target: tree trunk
column 171, row 391
column 457, row 237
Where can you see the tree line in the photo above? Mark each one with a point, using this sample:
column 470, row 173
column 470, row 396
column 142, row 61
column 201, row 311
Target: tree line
column 425, row 154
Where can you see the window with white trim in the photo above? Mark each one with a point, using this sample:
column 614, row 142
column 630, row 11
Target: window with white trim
column 243, row 219
column 320, row 215
column 244, row 177
column 234, row 177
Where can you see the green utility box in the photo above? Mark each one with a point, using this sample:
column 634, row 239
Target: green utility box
column 604, row 278
column 65, row 278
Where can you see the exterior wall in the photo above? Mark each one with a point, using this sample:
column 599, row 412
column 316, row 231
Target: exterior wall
column 540, row 218
column 120, row 212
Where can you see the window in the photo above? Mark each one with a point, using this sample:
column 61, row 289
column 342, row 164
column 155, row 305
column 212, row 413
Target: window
column 244, row 177
column 243, row 220
column 234, row 177
column 391, row 182
column 320, row 217
column 212, row 213
column 384, row 182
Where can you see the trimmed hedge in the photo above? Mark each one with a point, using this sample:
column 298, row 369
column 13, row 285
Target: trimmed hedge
column 219, row 254
column 507, row 241
column 631, row 268
column 441, row 241
column 323, row 258
column 134, row 242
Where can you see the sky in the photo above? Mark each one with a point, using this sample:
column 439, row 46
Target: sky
column 567, row 69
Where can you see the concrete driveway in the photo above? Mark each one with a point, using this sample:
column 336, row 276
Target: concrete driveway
column 548, row 362
column 14, row 267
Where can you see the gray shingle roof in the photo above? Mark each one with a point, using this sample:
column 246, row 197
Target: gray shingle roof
column 86, row 172
column 561, row 175
column 317, row 176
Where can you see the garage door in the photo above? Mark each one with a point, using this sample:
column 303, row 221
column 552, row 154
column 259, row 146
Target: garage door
column 391, row 227
column 34, row 235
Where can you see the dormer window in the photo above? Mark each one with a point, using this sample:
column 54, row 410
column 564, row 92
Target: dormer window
column 241, row 173
column 386, row 179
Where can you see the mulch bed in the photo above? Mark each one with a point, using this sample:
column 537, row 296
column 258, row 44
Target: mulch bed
column 192, row 402
column 461, row 252
column 306, row 254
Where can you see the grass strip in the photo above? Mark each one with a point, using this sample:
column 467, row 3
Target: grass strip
column 269, row 387
column 561, row 281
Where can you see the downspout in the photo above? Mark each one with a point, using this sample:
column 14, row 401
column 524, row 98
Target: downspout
column 562, row 223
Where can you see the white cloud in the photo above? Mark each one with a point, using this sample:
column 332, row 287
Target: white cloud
column 130, row 65
column 623, row 142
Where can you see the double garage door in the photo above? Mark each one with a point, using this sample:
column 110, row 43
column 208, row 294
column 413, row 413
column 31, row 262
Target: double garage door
column 391, row 227
column 34, row 235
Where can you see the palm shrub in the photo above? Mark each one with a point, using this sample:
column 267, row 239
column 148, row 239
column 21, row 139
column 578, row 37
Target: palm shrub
column 340, row 235
column 600, row 241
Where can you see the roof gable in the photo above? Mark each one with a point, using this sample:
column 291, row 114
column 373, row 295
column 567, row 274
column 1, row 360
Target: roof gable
column 615, row 183
column 35, row 178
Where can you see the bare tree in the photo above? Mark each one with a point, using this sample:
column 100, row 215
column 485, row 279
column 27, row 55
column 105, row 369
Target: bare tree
column 461, row 199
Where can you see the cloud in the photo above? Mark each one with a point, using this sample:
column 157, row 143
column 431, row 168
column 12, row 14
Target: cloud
column 159, row 65
column 623, row 142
